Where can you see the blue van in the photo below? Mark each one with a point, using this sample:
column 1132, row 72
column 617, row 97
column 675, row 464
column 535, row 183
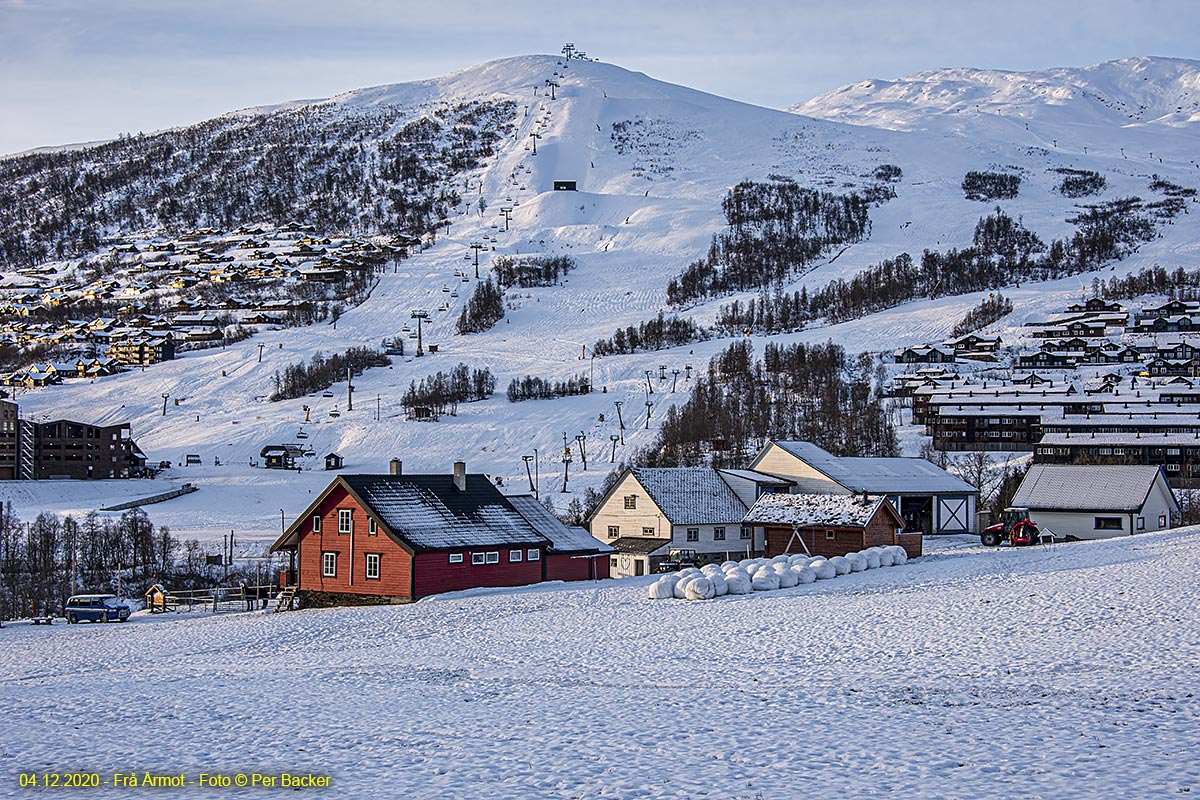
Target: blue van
column 96, row 608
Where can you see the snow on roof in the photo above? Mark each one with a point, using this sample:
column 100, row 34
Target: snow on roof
column 762, row 478
column 1085, row 488
column 690, row 495
column 564, row 539
column 879, row 475
column 429, row 513
column 841, row 510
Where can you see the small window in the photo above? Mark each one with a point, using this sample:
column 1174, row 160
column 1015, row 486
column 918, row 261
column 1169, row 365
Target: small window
column 693, row 534
column 478, row 559
column 1141, row 523
column 514, row 556
column 456, row 558
column 631, row 501
column 493, row 557
column 533, row 554
column 1108, row 524
column 747, row 532
column 345, row 520
column 372, row 527
column 614, row 531
column 612, row 563
column 1162, row 520
column 647, row 531
column 373, row 566
column 718, row 534
column 316, row 523
column 329, row 565
column 830, row 534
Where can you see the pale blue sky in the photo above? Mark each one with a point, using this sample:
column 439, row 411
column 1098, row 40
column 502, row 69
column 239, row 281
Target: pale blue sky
column 78, row 70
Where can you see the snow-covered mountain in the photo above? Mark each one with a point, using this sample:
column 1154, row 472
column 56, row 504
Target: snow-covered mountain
column 652, row 162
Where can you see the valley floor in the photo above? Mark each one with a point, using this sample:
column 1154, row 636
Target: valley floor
column 1047, row 672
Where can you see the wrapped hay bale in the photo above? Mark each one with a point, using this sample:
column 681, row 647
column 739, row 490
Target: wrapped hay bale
column 700, row 589
column 765, row 580
column 804, row 573
column 858, row 562
column 787, row 578
column 872, row 557
column 799, row 560
column 823, row 569
column 681, row 586
column 662, row 590
column 738, row 582
column 727, row 565
column 886, row 557
column 900, row 554
column 720, row 585
column 841, row 564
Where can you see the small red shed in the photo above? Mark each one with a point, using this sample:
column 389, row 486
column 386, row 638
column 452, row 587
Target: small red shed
column 829, row 524
column 397, row 538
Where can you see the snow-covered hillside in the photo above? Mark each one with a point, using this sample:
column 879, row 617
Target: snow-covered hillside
column 1051, row 672
column 653, row 162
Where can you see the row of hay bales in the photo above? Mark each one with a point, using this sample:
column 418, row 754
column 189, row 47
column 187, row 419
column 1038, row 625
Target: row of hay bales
column 767, row 574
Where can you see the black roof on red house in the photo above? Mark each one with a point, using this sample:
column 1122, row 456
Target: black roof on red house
column 429, row 512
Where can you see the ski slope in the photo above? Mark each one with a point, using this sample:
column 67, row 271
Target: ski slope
column 1046, row 672
column 645, row 208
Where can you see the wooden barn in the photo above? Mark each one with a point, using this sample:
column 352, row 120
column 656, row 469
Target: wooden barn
column 829, row 524
column 397, row 538
column 574, row 554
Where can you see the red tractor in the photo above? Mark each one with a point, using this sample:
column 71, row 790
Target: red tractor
column 1016, row 529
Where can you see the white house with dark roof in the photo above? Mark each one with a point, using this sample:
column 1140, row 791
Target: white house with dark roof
column 1097, row 501
column 649, row 511
column 928, row 498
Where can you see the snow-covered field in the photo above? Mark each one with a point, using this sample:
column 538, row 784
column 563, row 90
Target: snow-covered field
column 1058, row 671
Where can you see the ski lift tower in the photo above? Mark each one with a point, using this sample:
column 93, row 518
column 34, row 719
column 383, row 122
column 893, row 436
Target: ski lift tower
column 419, row 315
column 477, row 246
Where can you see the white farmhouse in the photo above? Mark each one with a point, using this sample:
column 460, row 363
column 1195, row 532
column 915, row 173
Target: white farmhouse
column 650, row 511
column 1097, row 502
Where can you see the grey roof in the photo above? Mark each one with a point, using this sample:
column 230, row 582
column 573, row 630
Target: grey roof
column 639, row 545
column 879, row 475
column 429, row 513
column 838, row 510
column 762, row 478
column 691, row 495
column 564, row 539
column 1085, row 488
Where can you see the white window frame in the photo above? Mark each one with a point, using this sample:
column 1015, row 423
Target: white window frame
column 492, row 557
column 830, row 535
column 316, row 523
column 630, row 502
column 372, row 559
column 329, row 564
column 478, row 559
column 614, row 531
column 648, row 531
column 372, row 527
column 515, row 556
column 456, row 558
column 719, row 534
column 345, row 520
column 533, row 554
column 693, row 534
column 746, row 532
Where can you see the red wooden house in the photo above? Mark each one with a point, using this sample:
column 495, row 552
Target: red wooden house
column 395, row 538
column 574, row 554
column 829, row 524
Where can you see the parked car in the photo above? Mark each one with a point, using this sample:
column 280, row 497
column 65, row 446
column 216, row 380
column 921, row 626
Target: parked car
column 96, row 608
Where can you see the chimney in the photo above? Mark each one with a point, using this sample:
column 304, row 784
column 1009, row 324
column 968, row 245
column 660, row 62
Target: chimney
column 460, row 475
column 395, row 467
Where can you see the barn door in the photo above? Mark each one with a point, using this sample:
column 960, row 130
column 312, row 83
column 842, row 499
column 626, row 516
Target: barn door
column 952, row 515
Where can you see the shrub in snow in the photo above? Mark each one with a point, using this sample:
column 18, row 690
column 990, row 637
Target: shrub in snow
column 841, row 564
column 765, row 580
column 804, row 573
column 700, row 589
column 787, row 578
column 858, row 562
column 662, row 590
column 738, row 582
column 872, row 558
column 823, row 569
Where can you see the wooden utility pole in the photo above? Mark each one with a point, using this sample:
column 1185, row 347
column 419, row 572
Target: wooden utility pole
column 566, row 461
column 613, row 438
column 582, row 439
column 528, row 471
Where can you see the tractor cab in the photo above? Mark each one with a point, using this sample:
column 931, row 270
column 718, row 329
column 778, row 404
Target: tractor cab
column 678, row 558
column 1016, row 529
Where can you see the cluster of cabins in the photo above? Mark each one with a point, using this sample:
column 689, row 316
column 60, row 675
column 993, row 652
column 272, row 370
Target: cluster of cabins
column 142, row 273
